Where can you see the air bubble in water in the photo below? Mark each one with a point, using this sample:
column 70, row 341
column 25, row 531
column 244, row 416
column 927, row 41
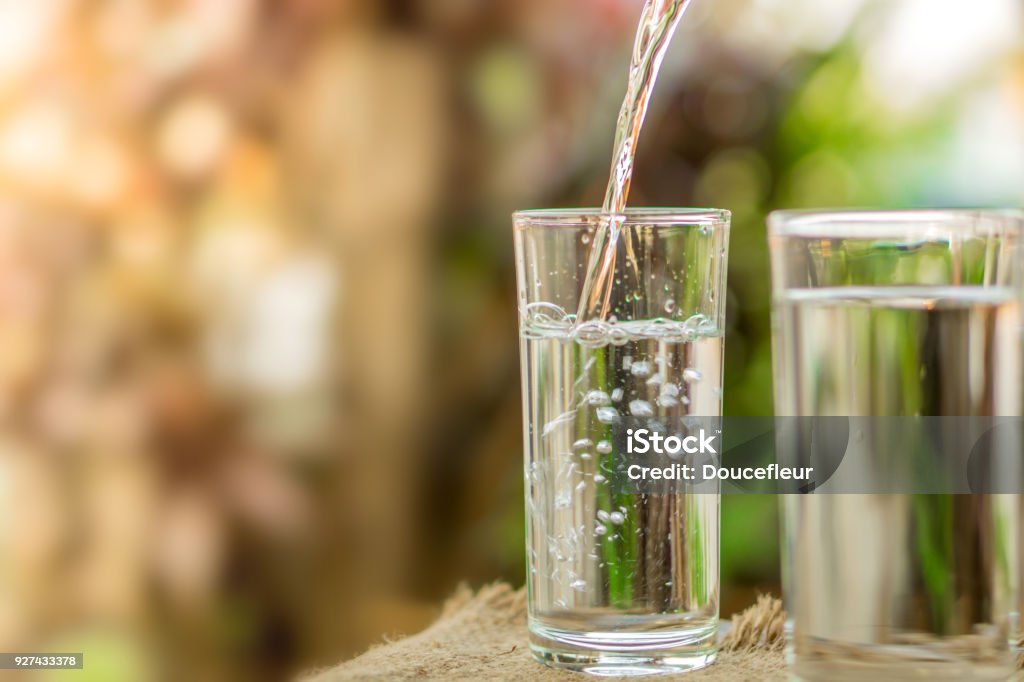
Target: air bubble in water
column 617, row 518
column 602, row 515
column 592, row 334
column 617, row 395
column 599, row 478
column 641, row 408
column 585, row 239
column 655, row 380
column 604, row 447
column 667, row 400
column 607, row 415
column 578, row 585
column 692, row 375
column 670, row 306
column 545, row 315
column 600, row 530
column 582, row 443
column 627, row 363
column 585, row 456
column 640, row 369
column 598, row 399
column 696, row 322
column 563, row 500
column 619, row 336
column 670, row 390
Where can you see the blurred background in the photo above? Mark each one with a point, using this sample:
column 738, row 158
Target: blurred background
column 259, row 396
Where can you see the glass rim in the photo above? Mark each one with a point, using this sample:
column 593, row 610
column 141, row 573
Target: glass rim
column 657, row 216
column 927, row 223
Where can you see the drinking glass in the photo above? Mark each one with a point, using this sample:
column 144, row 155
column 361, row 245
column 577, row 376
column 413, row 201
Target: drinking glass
column 620, row 580
column 899, row 314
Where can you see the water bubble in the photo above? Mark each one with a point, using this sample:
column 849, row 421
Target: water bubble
column 697, row 321
column 598, row 399
column 618, row 518
column 582, row 443
column 602, row 515
column 692, row 375
column 667, row 401
column 670, row 390
column 592, row 334
column 604, row 447
column 563, row 500
column 641, row 408
column 585, row 239
column 579, row 585
column 619, row 336
column 670, row 306
column 607, row 415
column 545, row 316
column 581, row 486
column 600, row 530
column 627, row 362
column 598, row 478
column 617, row 395
column 585, row 456
column 641, row 368
column 655, row 380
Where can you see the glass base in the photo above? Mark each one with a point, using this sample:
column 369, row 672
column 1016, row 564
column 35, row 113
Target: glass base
column 851, row 663
column 838, row 671
column 624, row 653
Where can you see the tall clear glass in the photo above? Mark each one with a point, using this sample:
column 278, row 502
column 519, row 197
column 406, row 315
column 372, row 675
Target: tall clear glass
column 619, row 581
column 899, row 314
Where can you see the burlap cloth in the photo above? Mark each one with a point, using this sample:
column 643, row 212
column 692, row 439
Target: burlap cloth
column 483, row 636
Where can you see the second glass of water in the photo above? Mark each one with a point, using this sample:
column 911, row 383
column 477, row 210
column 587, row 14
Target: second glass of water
column 911, row 314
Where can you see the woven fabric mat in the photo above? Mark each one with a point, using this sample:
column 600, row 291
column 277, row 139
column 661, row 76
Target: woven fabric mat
column 483, row 636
